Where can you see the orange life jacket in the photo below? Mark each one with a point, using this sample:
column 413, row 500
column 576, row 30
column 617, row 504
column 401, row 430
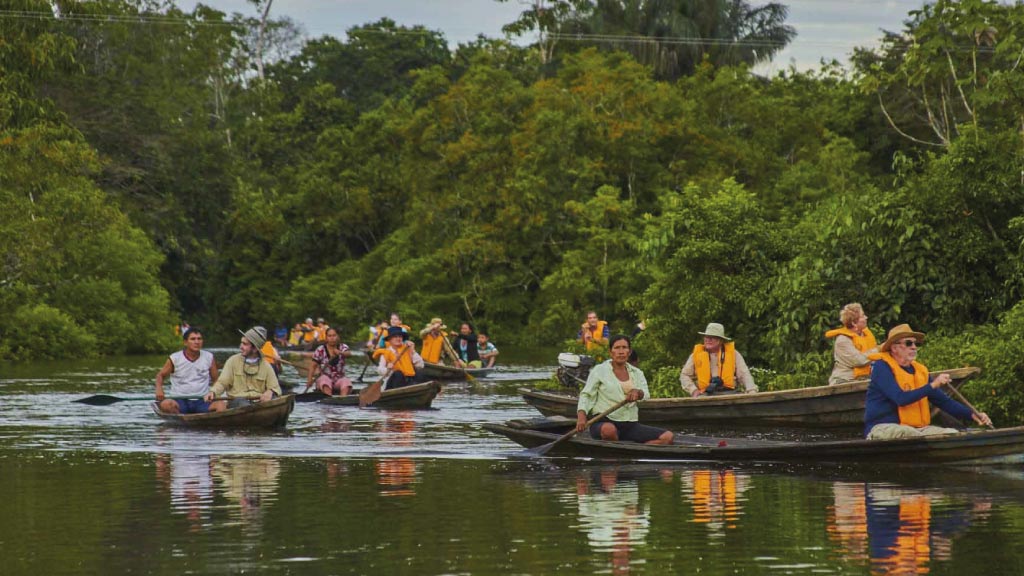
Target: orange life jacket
column 404, row 364
column 432, row 346
column 918, row 414
column 726, row 365
column 862, row 343
column 596, row 335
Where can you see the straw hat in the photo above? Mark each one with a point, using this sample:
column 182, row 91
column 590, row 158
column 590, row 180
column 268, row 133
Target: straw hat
column 257, row 336
column 901, row 331
column 715, row 330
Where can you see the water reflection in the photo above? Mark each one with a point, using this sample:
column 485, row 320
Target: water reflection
column 898, row 530
column 249, row 484
column 189, row 481
column 397, row 476
column 612, row 515
column 716, row 496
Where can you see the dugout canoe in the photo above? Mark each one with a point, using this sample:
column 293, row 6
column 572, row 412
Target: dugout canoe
column 975, row 447
column 839, row 406
column 270, row 414
column 442, row 372
column 413, row 397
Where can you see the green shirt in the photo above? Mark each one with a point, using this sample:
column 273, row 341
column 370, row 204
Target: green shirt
column 236, row 380
column 604, row 390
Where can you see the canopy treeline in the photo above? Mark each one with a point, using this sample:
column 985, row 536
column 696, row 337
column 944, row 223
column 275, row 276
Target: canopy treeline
column 152, row 170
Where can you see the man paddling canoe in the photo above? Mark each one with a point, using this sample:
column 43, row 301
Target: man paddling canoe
column 898, row 403
column 191, row 370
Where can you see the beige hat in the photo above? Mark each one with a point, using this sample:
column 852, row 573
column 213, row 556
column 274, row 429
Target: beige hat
column 436, row 320
column 901, row 331
column 715, row 330
column 257, row 336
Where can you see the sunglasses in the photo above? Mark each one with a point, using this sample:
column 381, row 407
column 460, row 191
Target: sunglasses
column 911, row 343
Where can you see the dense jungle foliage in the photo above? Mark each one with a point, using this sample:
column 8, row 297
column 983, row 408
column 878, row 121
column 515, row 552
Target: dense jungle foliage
column 158, row 164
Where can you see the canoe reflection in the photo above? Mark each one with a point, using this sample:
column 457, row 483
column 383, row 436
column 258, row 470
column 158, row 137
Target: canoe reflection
column 612, row 515
column 716, row 496
column 898, row 530
column 250, row 483
column 397, row 476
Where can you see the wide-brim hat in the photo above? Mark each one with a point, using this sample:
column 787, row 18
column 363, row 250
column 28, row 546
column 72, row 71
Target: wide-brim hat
column 436, row 320
column 257, row 336
column 901, row 331
column 397, row 331
column 715, row 330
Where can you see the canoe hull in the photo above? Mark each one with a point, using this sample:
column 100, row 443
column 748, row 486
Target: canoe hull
column 414, row 397
column 969, row 448
column 442, row 372
column 270, row 414
column 840, row 406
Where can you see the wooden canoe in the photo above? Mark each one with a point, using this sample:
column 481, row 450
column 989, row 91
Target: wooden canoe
column 413, row 397
column 270, row 414
column 841, row 405
column 1003, row 446
column 442, row 372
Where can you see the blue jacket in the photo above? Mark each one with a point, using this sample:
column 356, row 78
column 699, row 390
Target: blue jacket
column 885, row 397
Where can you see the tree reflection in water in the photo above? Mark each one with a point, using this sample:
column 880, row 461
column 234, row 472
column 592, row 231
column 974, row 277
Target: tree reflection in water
column 900, row 531
column 397, row 476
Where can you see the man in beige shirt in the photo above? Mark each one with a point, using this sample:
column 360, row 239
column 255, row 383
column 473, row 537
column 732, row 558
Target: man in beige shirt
column 715, row 366
column 246, row 376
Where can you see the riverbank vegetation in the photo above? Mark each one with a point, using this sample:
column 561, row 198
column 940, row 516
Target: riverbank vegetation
column 157, row 164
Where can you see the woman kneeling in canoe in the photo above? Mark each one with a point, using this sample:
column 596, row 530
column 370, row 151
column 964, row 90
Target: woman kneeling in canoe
column 608, row 384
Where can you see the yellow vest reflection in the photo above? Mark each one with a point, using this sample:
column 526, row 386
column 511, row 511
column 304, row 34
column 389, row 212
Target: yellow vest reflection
column 716, row 496
column 397, row 476
column 899, row 530
column 612, row 516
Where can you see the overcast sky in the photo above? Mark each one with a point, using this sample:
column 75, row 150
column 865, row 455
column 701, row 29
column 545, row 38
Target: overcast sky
column 825, row 28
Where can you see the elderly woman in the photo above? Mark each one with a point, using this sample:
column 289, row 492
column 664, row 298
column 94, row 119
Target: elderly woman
column 609, row 383
column 854, row 343
column 328, row 369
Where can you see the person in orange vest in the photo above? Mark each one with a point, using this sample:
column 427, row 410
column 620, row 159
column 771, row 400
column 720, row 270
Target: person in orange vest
column 854, row 343
column 593, row 332
column 433, row 336
column 399, row 369
column 900, row 395
column 715, row 367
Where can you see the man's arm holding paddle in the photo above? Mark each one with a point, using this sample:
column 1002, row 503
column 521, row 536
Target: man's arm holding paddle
column 164, row 373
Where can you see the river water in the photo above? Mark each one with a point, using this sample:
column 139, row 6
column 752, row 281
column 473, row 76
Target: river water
column 110, row 490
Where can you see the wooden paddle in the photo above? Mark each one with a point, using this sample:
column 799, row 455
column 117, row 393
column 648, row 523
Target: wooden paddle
column 542, row 450
column 106, row 399
column 372, row 393
column 964, row 401
column 451, row 352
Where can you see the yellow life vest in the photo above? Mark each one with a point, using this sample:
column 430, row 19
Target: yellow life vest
column 268, row 352
column 862, row 343
column 308, row 332
column 919, row 413
column 404, row 364
column 726, row 366
column 432, row 346
column 597, row 336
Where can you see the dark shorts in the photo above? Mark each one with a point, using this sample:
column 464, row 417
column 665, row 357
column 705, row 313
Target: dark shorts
column 628, row 431
column 193, row 406
column 399, row 380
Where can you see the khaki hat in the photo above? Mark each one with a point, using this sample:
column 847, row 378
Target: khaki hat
column 436, row 320
column 901, row 331
column 257, row 336
column 715, row 330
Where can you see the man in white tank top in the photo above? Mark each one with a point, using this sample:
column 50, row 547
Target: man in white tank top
column 191, row 371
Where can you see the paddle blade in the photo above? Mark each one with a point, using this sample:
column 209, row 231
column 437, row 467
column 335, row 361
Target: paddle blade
column 370, row 394
column 99, row 400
